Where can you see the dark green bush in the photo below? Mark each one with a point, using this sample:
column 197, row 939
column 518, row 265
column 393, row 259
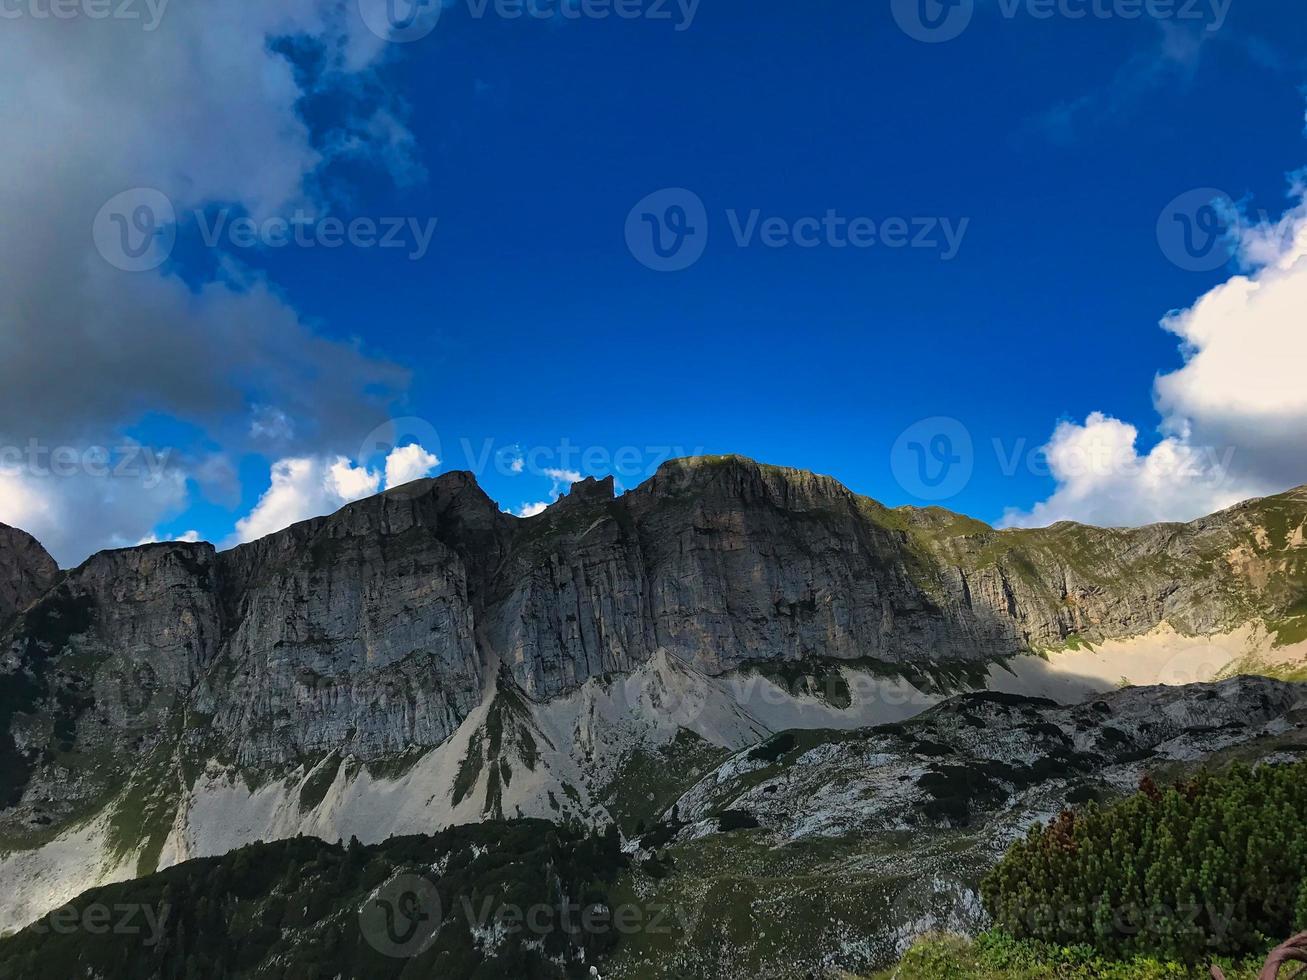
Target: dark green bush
column 1215, row 866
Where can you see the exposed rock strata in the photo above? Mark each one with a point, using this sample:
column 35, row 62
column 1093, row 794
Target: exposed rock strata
column 379, row 627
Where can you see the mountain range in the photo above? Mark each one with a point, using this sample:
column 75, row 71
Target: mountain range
column 718, row 650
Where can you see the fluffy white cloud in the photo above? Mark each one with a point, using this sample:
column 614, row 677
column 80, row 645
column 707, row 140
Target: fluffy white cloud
column 1104, row 479
column 307, row 486
column 409, row 463
column 1245, row 343
column 562, row 479
column 1234, row 416
column 303, row 488
column 531, row 510
column 79, row 513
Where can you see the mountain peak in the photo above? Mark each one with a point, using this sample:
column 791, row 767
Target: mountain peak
column 26, row 571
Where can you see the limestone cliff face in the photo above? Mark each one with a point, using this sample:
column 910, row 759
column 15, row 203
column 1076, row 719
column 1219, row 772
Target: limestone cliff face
column 356, row 631
column 376, row 629
column 26, row 571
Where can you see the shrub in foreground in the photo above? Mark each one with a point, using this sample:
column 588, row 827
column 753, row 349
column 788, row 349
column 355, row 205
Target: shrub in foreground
column 1216, row 866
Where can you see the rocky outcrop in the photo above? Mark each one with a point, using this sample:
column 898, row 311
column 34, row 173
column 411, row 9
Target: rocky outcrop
column 977, row 755
column 378, row 628
column 26, row 571
column 886, row 832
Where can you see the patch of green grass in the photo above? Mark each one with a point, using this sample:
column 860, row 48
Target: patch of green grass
column 649, row 781
column 316, row 784
column 142, row 815
column 469, row 770
column 394, row 767
column 994, row 956
column 494, row 805
column 1290, row 630
column 1260, row 668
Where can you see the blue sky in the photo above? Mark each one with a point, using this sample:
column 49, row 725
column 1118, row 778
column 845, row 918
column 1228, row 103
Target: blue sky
column 527, row 323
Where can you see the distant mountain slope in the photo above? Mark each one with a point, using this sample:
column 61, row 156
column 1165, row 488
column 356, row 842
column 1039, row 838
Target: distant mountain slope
column 420, row 658
column 526, row 899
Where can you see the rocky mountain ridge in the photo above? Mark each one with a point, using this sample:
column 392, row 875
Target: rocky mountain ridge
column 148, row 696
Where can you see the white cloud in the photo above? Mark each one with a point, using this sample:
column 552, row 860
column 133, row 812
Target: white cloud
column 1103, row 478
column 306, row 487
column 408, row 463
column 79, row 514
column 270, row 423
column 562, row 478
column 530, row 510
column 1234, row 416
column 303, row 488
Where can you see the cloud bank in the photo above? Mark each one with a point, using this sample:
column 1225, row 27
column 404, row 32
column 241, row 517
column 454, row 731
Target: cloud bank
column 206, row 109
column 1234, row 416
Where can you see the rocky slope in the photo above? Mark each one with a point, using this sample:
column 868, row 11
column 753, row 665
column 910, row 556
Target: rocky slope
column 808, row 855
column 421, row 658
column 820, row 852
